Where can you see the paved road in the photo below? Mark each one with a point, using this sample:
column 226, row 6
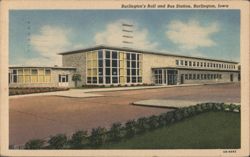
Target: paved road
column 42, row 116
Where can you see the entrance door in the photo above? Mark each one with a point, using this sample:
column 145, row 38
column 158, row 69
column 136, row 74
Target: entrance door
column 182, row 78
column 63, row 81
column 172, row 77
column 231, row 77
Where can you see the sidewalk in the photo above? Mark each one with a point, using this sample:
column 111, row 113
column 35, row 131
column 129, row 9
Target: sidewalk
column 85, row 93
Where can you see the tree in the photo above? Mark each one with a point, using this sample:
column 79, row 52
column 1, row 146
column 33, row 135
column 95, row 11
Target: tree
column 76, row 78
column 34, row 144
column 115, row 134
column 58, row 141
column 98, row 137
column 78, row 140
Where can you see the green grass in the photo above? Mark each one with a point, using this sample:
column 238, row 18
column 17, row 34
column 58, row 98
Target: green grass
column 211, row 130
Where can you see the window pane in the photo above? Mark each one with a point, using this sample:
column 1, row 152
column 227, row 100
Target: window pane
column 133, row 56
column 100, row 63
column 47, row 72
column 128, row 64
column 94, row 79
column 128, row 79
column 128, row 56
column 140, row 79
column 115, row 79
column 108, row 80
column 100, row 71
column 114, row 55
column 114, row 63
column 100, row 56
column 107, row 54
column 133, row 71
column 34, row 71
column 133, row 79
column 128, row 71
column 100, row 79
column 89, row 79
column 107, row 71
column 107, row 63
column 133, row 64
column 114, row 71
column 138, row 57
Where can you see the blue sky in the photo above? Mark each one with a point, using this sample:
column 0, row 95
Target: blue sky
column 36, row 36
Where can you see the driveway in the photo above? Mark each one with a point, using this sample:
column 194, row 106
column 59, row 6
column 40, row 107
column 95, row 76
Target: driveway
column 41, row 116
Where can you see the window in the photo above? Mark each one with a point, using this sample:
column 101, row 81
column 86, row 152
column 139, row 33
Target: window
column 107, row 62
column 194, row 76
column 205, row 76
column 202, row 76
column 181, row 62
column 201, row 64
column 177, row 62
column 198, row 64
column 194, row 63
column 47, row 72
column 34, row 71
column 190, row 63
column 186, row 63
column 205, row 64
column 100, row 63
column 198, row 76
column 186, row 76
column 190, row 77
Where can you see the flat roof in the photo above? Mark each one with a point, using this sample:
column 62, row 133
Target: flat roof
column 140, row 51
column 49, row 67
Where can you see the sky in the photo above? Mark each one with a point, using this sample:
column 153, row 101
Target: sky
column 37, row 36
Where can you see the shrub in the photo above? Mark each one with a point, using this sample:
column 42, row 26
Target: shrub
column 161, row 121
column 115, row 132
column 169, row 117
column 191, row 110
column 98, row 137
column 34, row 144
column 198, row 108
column 57, row 142
column 232, row 107
column 153, row 122
column 130, row 128
column 78, row 140
column 141, row 125
column 185, row 112
column 178, row 114
column 209, row 106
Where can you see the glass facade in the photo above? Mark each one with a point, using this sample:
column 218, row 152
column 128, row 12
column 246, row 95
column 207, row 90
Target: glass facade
column 114, row 67
column 30, row 75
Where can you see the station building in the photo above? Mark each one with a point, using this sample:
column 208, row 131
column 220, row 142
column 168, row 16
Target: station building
column 108, row 65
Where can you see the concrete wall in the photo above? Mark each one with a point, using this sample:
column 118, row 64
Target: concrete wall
column 225, row 77
column 77, row 60
column 157, row 61
column 55, row 76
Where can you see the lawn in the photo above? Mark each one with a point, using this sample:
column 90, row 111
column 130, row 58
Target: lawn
column 211, row 130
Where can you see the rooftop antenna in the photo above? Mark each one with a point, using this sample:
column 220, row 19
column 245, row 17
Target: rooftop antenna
column 127, row 35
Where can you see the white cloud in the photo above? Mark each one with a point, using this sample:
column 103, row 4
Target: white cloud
column 191, row 35
column 48, row 42
column 113, row 35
